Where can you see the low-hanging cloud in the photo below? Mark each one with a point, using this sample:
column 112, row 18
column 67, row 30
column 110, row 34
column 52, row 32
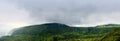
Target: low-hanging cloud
column 11, row 17
column 71, row 12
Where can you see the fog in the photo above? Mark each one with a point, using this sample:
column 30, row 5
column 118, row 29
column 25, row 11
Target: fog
column 19, row 13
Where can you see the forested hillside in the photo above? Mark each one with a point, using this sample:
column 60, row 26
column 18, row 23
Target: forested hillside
column 62, row 32
column 113, row 35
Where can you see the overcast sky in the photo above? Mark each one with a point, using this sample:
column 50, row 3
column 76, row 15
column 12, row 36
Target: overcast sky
column 18, row 13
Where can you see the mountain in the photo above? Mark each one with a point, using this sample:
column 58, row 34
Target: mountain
column 109, row 25
column 49, row 28
column 43, row 32
column 57, row 32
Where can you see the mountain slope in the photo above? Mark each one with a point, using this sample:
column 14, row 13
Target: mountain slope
column 57, row 32
column 113, row 35
column 50, row 28
column 43, row 32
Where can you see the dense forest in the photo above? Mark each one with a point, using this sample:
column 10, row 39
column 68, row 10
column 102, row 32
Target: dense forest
column 62, row 32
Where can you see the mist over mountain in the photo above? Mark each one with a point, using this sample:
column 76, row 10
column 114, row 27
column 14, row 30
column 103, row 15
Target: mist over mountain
column 70, row 12
column 19, row 13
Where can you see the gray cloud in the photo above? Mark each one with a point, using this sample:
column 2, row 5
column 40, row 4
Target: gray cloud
column 11, row 17
column 72, row 12
column 17, row 13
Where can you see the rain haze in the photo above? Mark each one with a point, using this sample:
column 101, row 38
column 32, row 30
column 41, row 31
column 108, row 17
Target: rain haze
column 19, row 13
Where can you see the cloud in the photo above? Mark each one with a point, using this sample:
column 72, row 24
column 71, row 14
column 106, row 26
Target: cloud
column 17, row 13
column 11, row 17
column 72, row 12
